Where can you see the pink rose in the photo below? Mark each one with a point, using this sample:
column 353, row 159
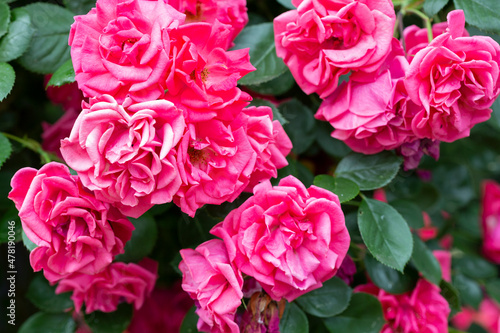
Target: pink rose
column 490, row 220
column 230, row 12
column 288, row 237
column 119, row 282
column 124, row 153
column 444, row 259
column 74, row 231
column 487, row 316
column 455, row 79
column 122, row 48
column 214, row 283
column 324, row 39
column 422, row 310
column 371, row 113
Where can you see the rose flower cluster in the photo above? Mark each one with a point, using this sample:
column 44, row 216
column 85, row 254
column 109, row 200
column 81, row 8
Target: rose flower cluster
column 162, row 120
column 406, row 98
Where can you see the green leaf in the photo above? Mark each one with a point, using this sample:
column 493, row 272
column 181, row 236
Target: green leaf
column 260, row 39
column 7, row 78
column 49, row 47
column 484, row 14
column 425, row 261
column 43, row 295
column 64, row 75
column 389, row 279
column 385, row 233
column 28, row 243
column 275, row 87
column 79, row 7
column 364, row 315
column 5, row 146
column 298, row 170
column 470, row 291
column 345, row 189
column 369, row 171
column 450, row 293
column 189, row 322
column 17, row 40
column 493, row 289
column 143, row 239
column 4, row 18
column 112, row 322
column 330, row 145
column 410, row 212
column 286, row 4
column 300, row 126
column 48, row 322
column 432, row 7
column 327, row 301
column 276, row 114
column 475, row 267
column 294, row 320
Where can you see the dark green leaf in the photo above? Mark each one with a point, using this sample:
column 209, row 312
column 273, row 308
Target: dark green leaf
column 475, row 328
column 286, row 4
column 484, row 14
column 112, row 322
column 6, row 227
column 300, row 127
column 385, row 233
column 5, row 146
column 276, row 114
column 64, row 75
column 470, row 291
column 7, row 78
column 327, row 301
column 49, row 323
column 298, row 170
column 493, row 289
column 27, row 242
column 475, row 267
column 260, row 39
column 277, row 86
column 450, row 293
column 410, row 212
column 495, row 115
column 389, row 279
column 425, row 261
column 43, row 295
column 330, row 145
column 17, row 40
column 345, row 189
column 189, row 322
column 369, row 171
column 364, row 315
column 4, row 18
column 49, row 47
column 294, row 320
column 143, row 239
column 79, row 7
column 455, row 182
column 432, row 7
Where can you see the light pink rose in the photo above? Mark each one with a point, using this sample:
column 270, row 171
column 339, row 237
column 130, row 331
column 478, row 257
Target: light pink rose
column 230, row 12
column 74, row 231
column 455, row 79
column 119, row 282
column 122, row 48
column 216, row 161
column 209, row 277
column 371, row 113
column 422, row 310
column 490, row 220
column 124, row 153
column 288, row 237
column 324, row 39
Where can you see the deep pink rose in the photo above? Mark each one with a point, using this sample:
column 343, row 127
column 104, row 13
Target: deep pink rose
column 74, row 231
column 455, row 79
column 122, row 48
column 487, row 316
column 490, row 220
column 371, row 113
column 214, row 283
column 288, row 237
column 216, row 161
column 124, row 153
column 119, row 282
column 422, row 310
column 230, row 12
column 324, row 39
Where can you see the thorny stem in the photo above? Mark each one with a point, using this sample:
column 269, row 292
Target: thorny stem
column 33, row 145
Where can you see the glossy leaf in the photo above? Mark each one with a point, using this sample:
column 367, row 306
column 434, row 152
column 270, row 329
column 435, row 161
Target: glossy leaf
column 5, row 145
column 385, row 233
column 43, row 295
column 79, row 7
column 329, row 300
column 432, row 7
column 143, row 239
column 7, row 78
column 4, row 18
column 294, row 320
column 63, row 75
column 450, row 293
column 17, row 39
column 470, row 291
column 484, row 14
column 410, row 212
column 276, row 86
column 48, row 322
column 425, row 261
column 493, row 289
column 345, row 189
column 389, row 279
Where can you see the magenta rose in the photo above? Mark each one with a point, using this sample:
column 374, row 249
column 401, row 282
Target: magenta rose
column 124, row 153
column 209, row 277
column 422, row 310
column 119, row 282
column 73, row 231
column 455, row 79
column 490, row 220
column 122, row 47
column 324, row 39
column 288, row 237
